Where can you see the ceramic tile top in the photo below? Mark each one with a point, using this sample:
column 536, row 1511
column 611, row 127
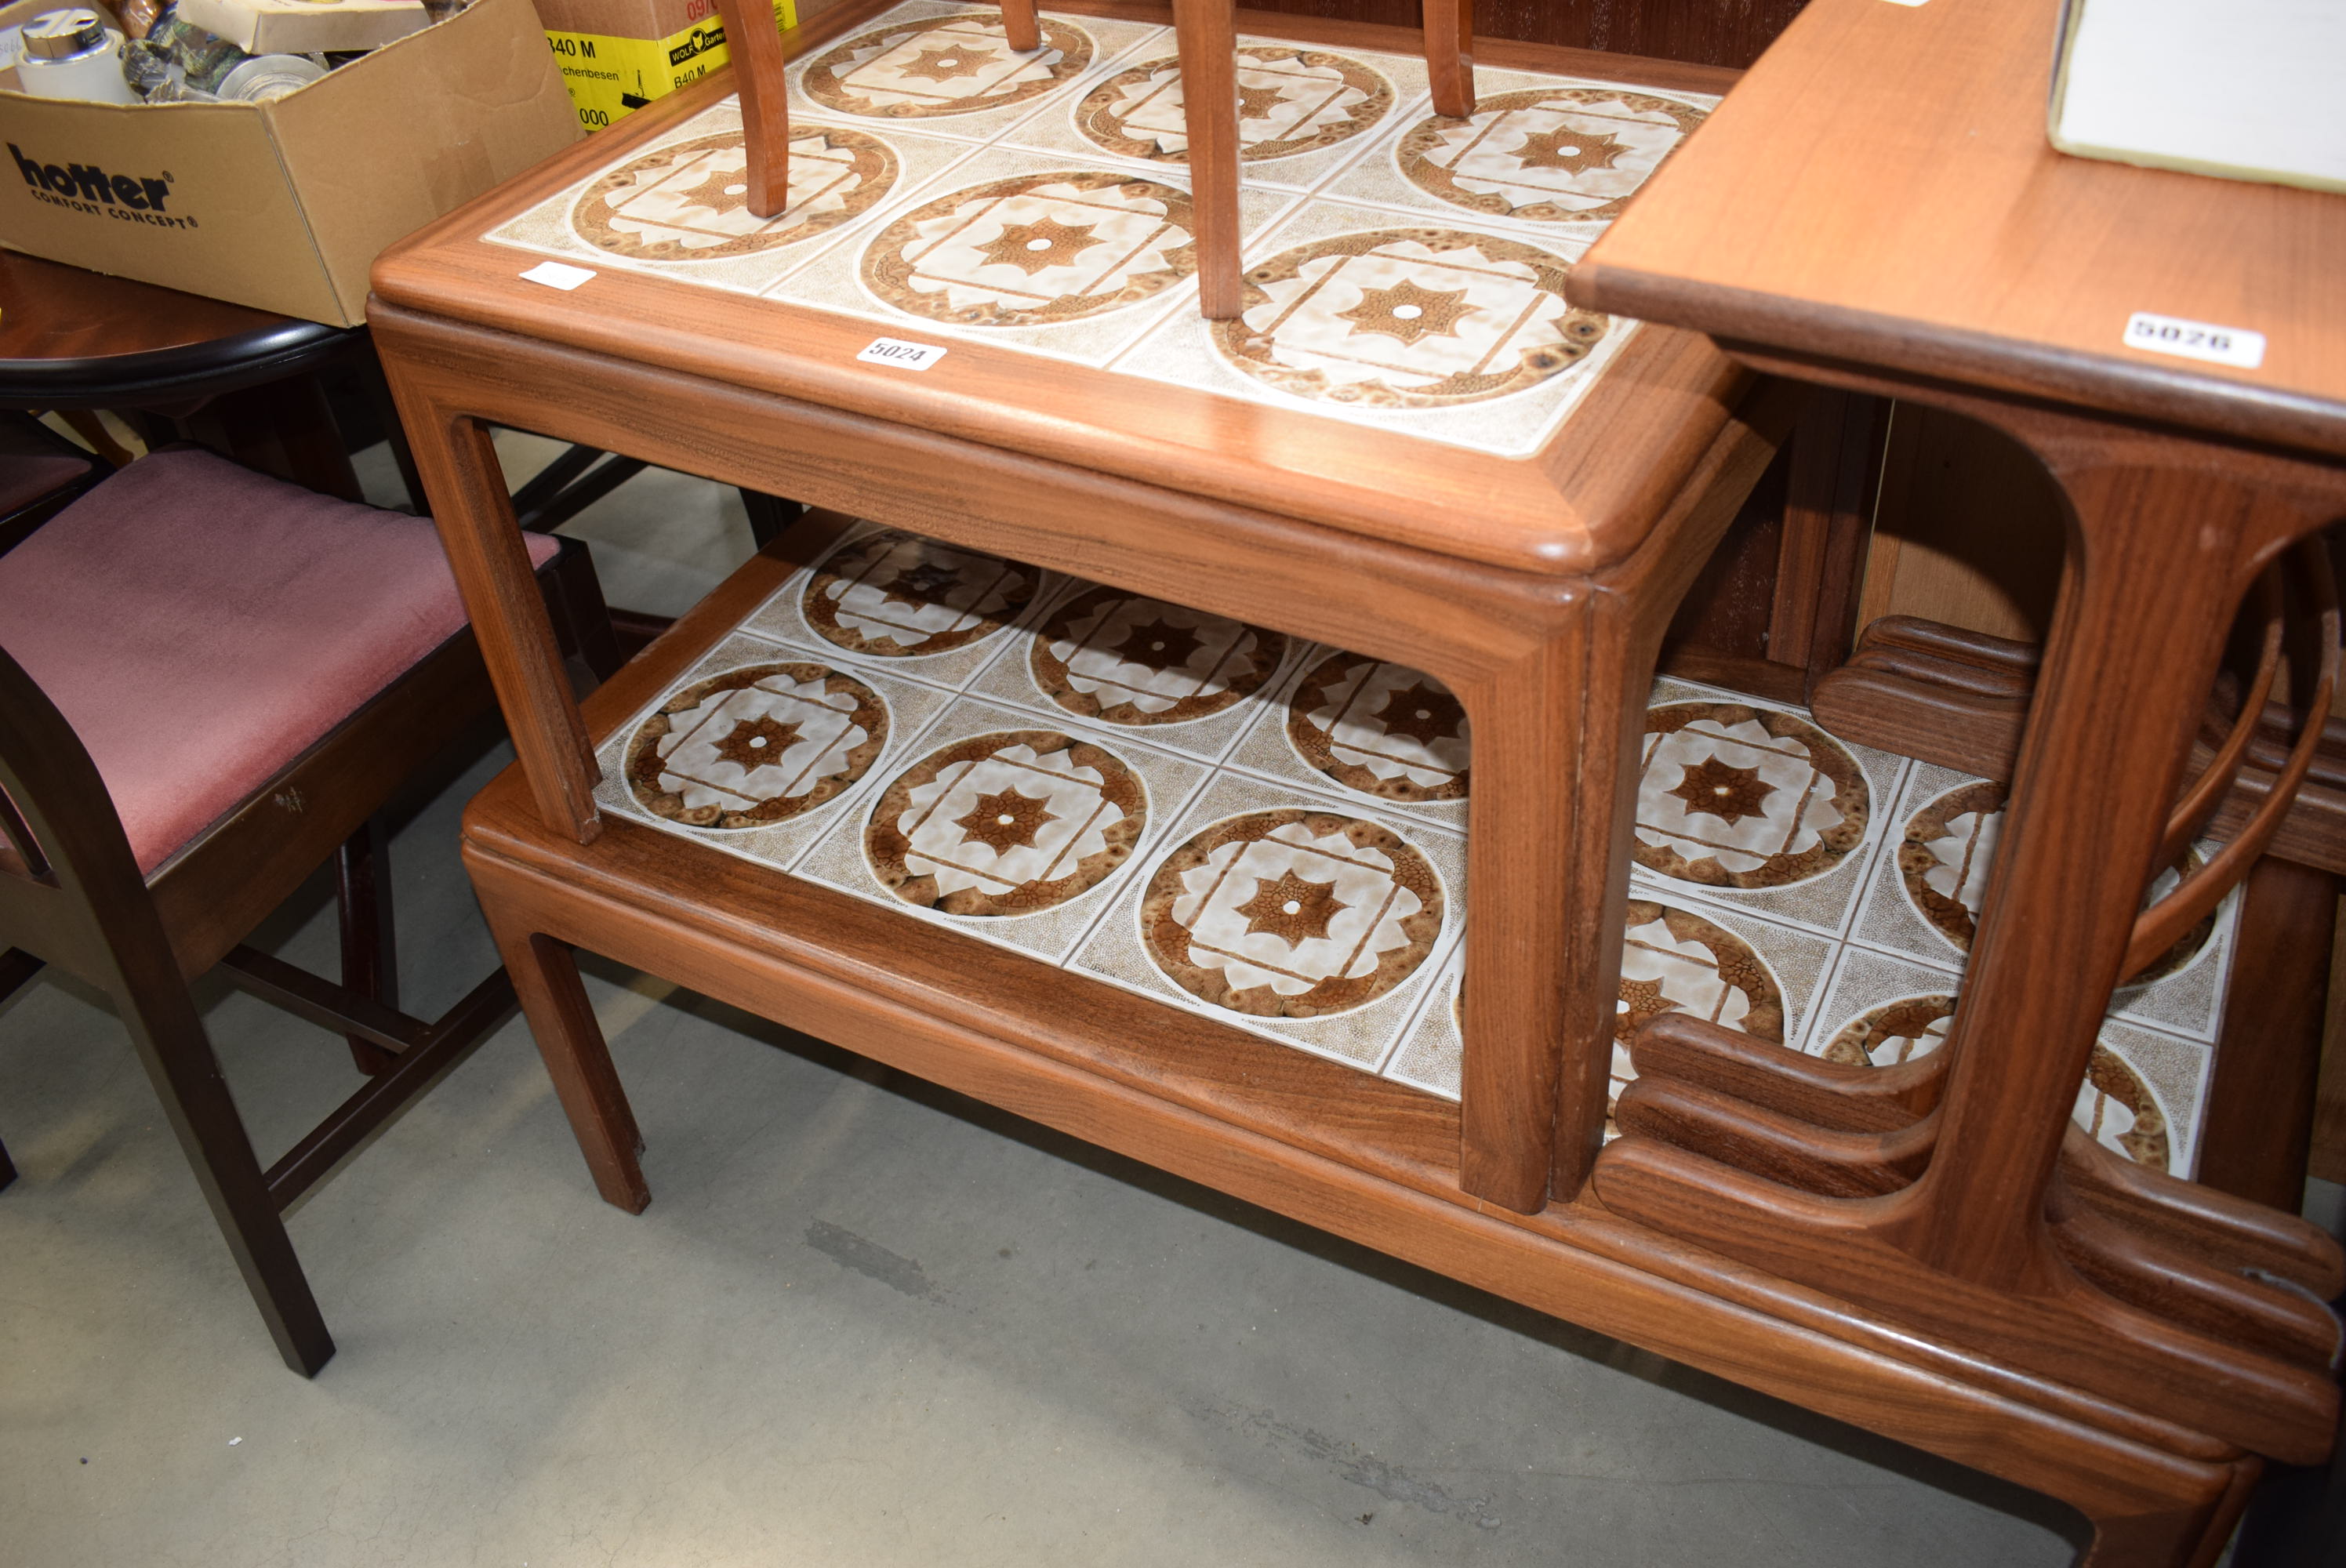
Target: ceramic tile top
column 690, row 201
column 1380, row 729
column 1293, row 912
column 1407, row 318
column 1005, row 823
column 894, row 594
column 1273, row 834
column 756, row 744
column 1549, row 154
column 1743, row 797
column 1402, row 271
column 1033, row 248
column 1126, row 659
column 916, row 66
column 1292, row 100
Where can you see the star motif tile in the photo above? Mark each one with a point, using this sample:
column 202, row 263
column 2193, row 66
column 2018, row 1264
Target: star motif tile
column 1292, row 100
column 931, row 66
column 1034, row 250
column 1549, row 155
column 690, row 201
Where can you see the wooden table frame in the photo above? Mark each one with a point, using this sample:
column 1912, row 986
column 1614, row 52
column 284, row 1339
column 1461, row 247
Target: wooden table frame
column 1570, row 598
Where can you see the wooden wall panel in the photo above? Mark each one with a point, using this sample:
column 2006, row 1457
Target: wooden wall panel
column 1707, row 32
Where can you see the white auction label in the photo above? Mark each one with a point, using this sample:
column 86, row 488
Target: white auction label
column 902, row 354
column 557, row 275
column 2195, row 340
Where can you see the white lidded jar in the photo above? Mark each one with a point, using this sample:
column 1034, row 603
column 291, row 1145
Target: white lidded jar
column 73, row 55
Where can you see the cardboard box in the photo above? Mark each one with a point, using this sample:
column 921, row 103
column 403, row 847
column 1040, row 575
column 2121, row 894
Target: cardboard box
column 303, row 26
column 285, row 205
column 617, row 55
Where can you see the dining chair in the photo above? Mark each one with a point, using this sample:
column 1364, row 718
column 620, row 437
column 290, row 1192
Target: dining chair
column 210, row 683
column 40, row 475
column 1205, row 34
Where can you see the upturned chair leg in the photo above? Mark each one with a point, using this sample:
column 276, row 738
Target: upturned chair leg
column 562, row 1021
column 1208, row 43
column 1450, row 55
column 370, row 947
column 758, row 78
column 1019, row 21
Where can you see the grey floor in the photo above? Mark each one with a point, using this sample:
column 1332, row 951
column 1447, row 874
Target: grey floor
column 864, row 1321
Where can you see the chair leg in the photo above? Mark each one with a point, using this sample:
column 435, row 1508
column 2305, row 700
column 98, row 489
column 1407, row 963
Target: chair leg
column 370, row 945
column 18, row 967
column 1450, row 55
column 769, row 515
column 764, row 95
column 582, row 621
column 546, row 978
column 178, row 1060
column 1208, row 43
column 1022, row 26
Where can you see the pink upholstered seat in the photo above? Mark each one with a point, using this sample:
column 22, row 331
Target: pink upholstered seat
column 201, row 626
column 26, row 478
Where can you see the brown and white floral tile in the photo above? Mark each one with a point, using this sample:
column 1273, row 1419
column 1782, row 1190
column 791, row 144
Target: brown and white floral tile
column 679, row 208
column 1056, row 255
column 1005, row 829
column 757, row 749
column 1303, row 113
column 1743, row 973
column 950, row 68
column 1926, row 886
column 1185, row 679
column 887, row 599
column 1295, row 915
column 1751, row 804
column 1380, row 319
column 2143, row 1093
column 1559, row 155
column 1388, row 736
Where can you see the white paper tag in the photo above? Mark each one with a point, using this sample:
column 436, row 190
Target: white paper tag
column 557, row 275
column 2195, row 340
column 902, row 355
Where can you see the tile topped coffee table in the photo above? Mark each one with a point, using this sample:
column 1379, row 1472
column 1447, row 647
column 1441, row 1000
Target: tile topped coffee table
column 1409, row 444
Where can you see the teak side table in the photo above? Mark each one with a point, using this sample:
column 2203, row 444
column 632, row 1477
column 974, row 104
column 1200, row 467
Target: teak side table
column 1536, row 585
column 1900, row 226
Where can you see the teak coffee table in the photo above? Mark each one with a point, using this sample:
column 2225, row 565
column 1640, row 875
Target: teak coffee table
column 971, row 340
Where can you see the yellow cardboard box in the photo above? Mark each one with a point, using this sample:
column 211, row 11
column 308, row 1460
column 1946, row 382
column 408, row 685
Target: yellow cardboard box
column 617, row 55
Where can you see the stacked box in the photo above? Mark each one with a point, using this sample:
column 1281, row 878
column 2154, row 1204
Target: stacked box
column 617, row 55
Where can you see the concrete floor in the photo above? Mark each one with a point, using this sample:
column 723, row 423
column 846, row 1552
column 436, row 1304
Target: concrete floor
column 864, row 1321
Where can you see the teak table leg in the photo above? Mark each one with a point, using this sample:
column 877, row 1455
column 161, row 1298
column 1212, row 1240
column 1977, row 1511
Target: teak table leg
column 475, row 515
column 562, row 1019
column 1209, row 104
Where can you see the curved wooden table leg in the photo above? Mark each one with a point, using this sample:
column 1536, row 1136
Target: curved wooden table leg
column 2168, row 540
column 2186, row 1537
